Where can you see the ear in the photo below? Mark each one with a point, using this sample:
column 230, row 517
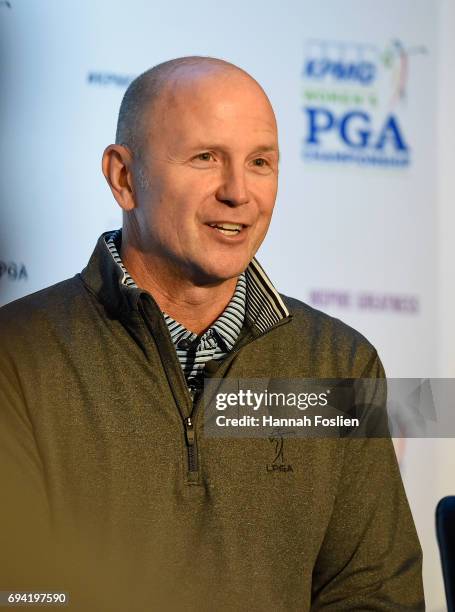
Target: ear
column 116, row 165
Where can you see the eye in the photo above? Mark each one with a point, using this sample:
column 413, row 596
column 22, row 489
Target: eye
column 205, row 160
column 262, row 165
column 206, row 156
column 260, row 162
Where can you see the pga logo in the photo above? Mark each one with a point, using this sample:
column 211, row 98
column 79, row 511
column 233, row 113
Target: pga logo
column 354, row 129
column 13, row 271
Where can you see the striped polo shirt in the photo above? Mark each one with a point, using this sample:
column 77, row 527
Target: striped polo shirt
column 254, row 296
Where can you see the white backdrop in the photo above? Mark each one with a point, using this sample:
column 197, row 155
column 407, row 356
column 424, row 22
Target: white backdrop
column 363, row 237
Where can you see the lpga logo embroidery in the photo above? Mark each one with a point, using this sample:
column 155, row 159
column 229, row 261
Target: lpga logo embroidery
column 279, row 463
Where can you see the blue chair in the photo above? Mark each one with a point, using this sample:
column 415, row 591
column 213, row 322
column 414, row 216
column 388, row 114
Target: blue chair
column 445, row 530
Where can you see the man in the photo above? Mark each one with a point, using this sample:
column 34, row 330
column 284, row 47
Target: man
column 106, row 461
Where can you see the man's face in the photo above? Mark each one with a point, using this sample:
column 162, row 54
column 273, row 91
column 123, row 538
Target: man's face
column 211, row 170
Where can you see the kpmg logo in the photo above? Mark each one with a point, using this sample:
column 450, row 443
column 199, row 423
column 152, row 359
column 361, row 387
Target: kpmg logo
column 345, row 70
column 354, row 103
column 109, row 79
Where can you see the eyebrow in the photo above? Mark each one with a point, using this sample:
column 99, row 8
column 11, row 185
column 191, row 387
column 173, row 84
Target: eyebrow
column 268, row 149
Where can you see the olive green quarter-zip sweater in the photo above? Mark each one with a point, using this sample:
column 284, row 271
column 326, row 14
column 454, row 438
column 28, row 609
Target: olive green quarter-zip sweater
column 112, row 492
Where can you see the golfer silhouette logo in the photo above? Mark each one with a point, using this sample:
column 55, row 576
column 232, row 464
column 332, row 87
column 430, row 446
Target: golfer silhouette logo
column 278, row 464
column 279, row 458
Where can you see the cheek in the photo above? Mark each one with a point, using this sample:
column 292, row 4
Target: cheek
column 266, row 206
column 266, row 192
column 175, row 219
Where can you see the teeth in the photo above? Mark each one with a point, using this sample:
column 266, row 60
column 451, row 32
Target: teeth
column 228, row 232
column 227, row 228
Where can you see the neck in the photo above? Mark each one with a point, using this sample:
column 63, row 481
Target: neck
column 194, row 306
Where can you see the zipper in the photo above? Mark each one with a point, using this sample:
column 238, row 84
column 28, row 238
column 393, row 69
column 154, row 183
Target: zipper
column 191, row 445
column 187, row 421
column 190, row 433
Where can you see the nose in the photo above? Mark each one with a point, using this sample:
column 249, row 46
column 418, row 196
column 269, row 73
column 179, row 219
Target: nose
column 233, row 189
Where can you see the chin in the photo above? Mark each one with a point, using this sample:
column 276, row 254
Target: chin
column 223, row 271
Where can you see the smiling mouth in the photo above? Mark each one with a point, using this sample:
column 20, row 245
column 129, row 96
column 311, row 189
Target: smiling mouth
column 228, row 229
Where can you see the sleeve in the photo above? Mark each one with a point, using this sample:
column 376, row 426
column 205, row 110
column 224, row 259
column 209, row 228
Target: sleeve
column 25, row 525
column 370, row 558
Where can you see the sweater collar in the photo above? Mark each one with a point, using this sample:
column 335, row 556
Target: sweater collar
column 105, row 278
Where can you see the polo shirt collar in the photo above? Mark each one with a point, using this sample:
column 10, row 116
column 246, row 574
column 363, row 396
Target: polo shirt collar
column 228, row 325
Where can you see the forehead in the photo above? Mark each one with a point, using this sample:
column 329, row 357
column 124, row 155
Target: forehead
column 224, row 105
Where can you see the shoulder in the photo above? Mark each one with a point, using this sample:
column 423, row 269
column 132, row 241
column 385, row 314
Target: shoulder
column 44, row 302
column 316, row 321
column 34, row 316
column 330, row 340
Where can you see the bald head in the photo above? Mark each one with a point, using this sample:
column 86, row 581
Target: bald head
column 152, row 90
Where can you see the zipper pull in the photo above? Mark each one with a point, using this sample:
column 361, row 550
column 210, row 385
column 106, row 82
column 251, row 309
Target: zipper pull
column 189, row 431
